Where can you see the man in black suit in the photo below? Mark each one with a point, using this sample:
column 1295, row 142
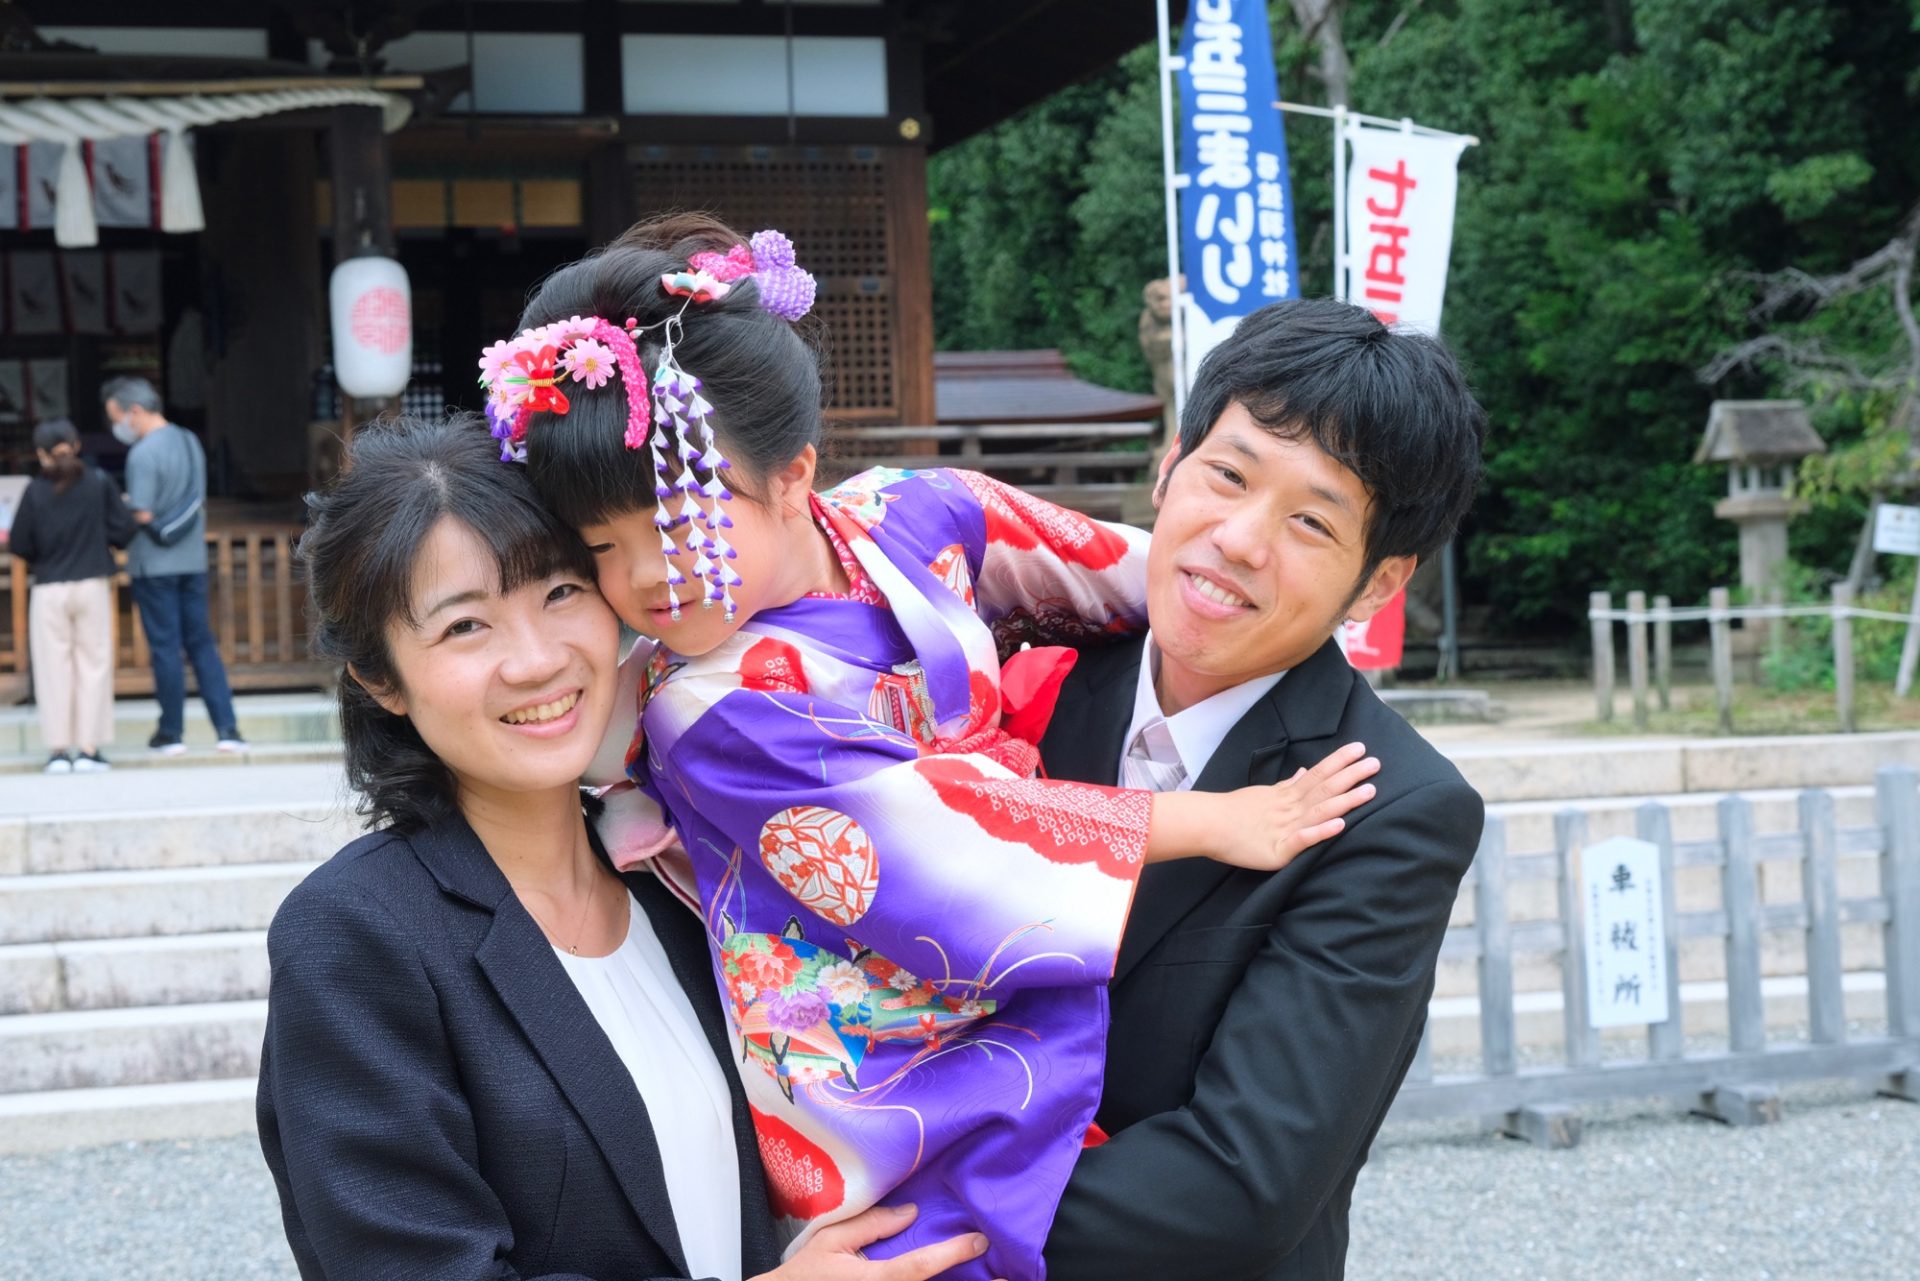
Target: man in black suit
column 1262, row 1022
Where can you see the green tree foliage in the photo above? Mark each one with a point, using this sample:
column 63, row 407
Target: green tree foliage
column 1642, row 163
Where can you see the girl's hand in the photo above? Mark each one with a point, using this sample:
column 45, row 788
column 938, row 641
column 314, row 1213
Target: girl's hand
column 1263, row 828
column 834, row 1252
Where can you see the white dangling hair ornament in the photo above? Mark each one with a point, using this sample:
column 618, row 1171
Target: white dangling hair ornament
column 677, row 401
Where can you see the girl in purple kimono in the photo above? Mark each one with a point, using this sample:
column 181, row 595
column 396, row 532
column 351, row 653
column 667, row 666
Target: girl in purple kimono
column 912, row 928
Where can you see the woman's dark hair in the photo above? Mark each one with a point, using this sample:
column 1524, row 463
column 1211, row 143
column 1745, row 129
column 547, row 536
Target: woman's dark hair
column 761, row 374
column 67, row 469
column 1390, row 405
column 363, row 538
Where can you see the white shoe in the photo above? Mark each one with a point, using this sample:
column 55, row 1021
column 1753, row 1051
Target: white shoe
column 90, row 763
column 58, row 763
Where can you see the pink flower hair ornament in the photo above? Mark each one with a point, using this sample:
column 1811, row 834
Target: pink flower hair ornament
column 524, row 374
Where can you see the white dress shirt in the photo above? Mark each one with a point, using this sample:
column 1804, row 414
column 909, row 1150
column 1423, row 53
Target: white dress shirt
column 1170, row 752
column 639, row 1003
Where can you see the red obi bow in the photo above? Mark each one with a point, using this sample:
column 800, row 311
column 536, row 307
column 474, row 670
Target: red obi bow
column 1030, row 684
column 1029, row 689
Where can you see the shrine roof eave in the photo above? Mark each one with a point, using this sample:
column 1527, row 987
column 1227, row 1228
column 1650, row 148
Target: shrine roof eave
column 1002, row 61
column 55, row 74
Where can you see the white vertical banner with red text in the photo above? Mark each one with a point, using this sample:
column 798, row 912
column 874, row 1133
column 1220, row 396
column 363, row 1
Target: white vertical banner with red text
column 1400, row 196
column 1401, row 187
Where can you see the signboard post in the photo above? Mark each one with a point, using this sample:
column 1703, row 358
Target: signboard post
column 1896, row 532
column 1626, row 934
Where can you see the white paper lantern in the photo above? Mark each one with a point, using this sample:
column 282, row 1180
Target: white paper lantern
column 372, row 308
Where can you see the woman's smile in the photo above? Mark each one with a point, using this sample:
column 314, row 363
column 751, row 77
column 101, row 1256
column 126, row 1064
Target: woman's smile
column 551, row 718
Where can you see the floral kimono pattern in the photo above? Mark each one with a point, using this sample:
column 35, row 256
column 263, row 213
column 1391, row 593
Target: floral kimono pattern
column 912, row 933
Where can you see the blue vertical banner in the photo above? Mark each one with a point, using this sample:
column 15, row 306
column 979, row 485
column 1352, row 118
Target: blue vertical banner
column 1236, row 209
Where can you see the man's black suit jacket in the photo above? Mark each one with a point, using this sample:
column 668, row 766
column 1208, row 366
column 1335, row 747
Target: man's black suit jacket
column 436, row 1100
column 1262, row 1023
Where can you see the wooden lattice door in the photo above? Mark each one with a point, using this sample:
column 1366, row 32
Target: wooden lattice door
column 858, row 218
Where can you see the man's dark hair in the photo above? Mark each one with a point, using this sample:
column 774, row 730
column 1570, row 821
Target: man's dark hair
column 363, row 539
column 1390, row 405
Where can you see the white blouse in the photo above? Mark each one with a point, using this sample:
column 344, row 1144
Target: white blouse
column 639, row 1004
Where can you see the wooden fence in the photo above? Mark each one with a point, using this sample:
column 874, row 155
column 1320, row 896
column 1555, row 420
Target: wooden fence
column 1719, row 614
column 1737, row 1084
column 256, row 602
column 1096, row 468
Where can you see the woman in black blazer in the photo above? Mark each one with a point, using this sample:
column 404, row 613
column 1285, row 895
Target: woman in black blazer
column 447, row 1089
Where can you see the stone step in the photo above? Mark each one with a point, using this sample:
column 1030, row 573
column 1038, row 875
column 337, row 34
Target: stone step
column 204, row 836
column 197, row 754
column 264, row 719
column 83, row 1049
column 62, row 1120
column 1442, row 706
column 181, row 969
column 48, row 1120
column 62, row 906
column 1536, row 771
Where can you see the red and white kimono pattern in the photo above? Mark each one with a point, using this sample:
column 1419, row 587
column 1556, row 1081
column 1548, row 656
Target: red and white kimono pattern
column 912, row 932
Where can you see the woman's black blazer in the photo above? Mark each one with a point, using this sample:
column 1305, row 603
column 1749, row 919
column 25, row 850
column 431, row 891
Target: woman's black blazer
column 436, row 1101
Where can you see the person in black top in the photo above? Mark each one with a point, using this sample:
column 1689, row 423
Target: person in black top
column 69, row 520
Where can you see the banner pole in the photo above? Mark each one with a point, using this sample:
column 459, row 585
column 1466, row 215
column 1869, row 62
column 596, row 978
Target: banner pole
column 1167, row 166
column 1361, row 118
column 1340, row 202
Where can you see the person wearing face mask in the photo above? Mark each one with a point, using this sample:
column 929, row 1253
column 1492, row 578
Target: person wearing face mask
column 166, row 487
column 69, row 519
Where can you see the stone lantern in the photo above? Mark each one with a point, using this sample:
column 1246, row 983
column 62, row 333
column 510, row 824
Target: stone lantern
column 1759, row 441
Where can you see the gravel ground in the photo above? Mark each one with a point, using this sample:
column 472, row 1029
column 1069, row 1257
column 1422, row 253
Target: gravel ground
column 1830, row 1194
column 203, row 1210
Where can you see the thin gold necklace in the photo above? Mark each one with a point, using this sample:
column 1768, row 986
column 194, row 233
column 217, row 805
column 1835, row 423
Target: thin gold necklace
column 580, row 926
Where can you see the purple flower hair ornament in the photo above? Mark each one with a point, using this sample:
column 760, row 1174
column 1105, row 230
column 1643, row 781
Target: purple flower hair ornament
column 785, row 289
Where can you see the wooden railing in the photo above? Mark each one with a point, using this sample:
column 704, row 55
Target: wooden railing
column 1738, row 1084
column 256, row 604
column 1099, row 468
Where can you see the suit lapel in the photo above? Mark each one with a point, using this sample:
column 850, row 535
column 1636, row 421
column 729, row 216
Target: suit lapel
column 1082, row 742
column 519, row 962
column 1262, row 747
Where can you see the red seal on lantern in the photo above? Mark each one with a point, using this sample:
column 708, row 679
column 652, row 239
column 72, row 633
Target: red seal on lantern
column 381, row 320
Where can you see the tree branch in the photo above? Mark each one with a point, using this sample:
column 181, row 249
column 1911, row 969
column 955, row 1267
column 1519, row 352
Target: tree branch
column 1320, row 22
column 1782, row 289
column 1399, row 21
column 1804, row 362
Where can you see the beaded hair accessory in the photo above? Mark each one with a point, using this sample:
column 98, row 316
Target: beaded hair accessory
column 666, row 414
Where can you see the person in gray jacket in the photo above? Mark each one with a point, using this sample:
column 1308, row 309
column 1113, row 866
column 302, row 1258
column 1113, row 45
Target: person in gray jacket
column 167, row 489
